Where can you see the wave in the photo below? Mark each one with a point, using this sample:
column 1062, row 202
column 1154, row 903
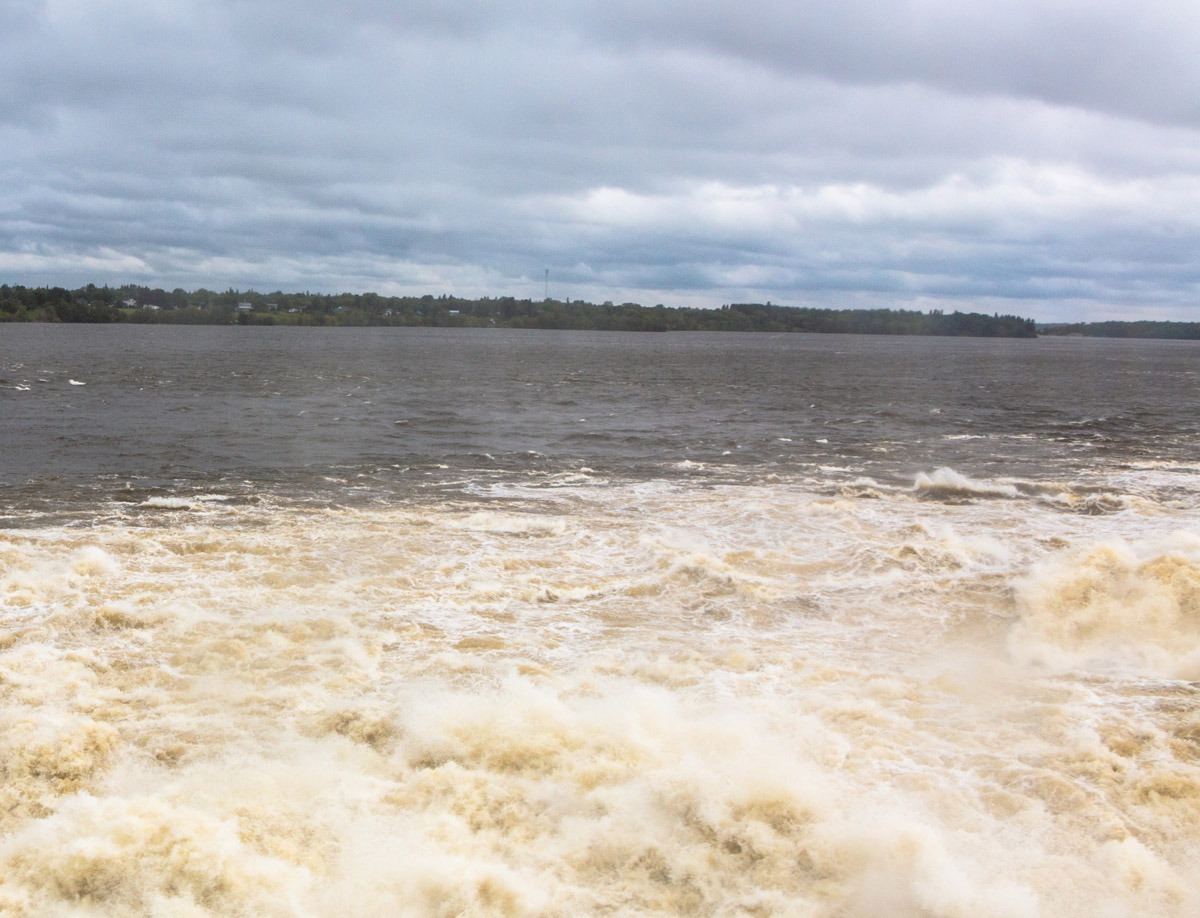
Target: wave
column 945, row 484
column 656, row 698
column 512, row 523
column 168, row 503
column 1118, row 605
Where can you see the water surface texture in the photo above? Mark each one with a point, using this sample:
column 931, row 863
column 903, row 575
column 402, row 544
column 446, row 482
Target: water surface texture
column 408, row 622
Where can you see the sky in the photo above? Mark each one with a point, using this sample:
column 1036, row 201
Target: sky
column 1032, row 157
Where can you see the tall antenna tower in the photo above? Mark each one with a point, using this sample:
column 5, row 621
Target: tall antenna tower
column 547, row 294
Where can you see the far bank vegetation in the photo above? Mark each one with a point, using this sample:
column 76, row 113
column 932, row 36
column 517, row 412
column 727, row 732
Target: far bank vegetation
column 136, row 304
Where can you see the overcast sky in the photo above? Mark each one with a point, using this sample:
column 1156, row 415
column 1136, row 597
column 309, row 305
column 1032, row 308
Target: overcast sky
column 1038, row 157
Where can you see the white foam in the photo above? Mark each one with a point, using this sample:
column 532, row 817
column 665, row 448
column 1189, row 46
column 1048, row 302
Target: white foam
column 947, row 483
column 646, row 698
column 490, row 521
column 169, row 503
column 1115, row 605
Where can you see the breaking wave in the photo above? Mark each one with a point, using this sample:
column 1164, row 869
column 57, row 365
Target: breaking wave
column 1132, row 606
column 945, row 484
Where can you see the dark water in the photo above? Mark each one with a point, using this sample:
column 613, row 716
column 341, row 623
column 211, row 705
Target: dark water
column 180, row 407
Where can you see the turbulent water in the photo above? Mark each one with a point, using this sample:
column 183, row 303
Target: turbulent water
column 306, row 622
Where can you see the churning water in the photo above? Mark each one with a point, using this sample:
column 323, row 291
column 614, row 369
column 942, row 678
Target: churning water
column 307, row 622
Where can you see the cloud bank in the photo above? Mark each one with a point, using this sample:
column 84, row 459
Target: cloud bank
column 1039, row 157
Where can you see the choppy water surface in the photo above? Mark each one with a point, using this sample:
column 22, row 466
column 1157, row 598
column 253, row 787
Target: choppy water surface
column 419, row 622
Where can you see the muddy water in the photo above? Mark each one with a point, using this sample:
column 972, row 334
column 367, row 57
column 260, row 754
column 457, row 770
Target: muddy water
column 441, row 624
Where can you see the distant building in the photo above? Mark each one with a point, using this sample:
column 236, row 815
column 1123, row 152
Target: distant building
column 131, row 303
column 244, row 307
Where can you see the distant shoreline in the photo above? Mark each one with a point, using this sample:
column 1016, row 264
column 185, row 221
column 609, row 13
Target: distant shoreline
column 1170, row 331
column 141, row 305
column 132, row 304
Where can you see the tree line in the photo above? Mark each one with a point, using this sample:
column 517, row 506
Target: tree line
column 1187, row 331
column 136, row 304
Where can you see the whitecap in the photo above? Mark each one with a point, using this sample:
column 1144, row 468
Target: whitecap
column 947, row 484
column 168, row 503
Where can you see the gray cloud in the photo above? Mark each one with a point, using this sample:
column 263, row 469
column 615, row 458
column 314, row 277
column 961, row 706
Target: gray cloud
column 1093, row 55
column 1040, row 155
